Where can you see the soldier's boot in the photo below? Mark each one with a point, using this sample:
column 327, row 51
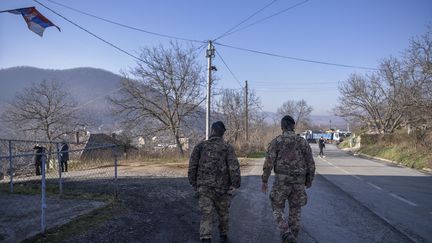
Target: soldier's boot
column 223, row 239
column 205, row 241
column 289, row 237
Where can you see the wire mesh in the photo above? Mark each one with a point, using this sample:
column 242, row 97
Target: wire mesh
column 76, row 178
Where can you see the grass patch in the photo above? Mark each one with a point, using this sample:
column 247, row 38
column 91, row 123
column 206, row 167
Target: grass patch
column 30, row 188
column 81, row 224
column 402, row 152
column 88, row 196
column 344, row 144
column 52, row 190
column 256, row 155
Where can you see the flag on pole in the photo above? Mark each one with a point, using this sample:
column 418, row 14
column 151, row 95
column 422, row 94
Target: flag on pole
column 36, row 22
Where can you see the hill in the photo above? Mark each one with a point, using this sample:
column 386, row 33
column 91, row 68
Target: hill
column 88, row 86
column 84, row 83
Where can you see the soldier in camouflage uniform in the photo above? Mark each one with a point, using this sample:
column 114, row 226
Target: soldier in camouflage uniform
column 214, row 172
column 291, row 158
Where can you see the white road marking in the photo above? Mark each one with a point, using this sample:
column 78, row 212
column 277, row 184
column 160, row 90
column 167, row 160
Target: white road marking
column 371, row 184
column 403, row 199
column 358, row 177
column 375, row 186
column 343, row 170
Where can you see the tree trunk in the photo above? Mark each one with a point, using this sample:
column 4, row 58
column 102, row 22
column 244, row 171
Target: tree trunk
column 179, row 145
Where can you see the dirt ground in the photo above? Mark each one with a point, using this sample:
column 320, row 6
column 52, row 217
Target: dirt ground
column 160, row 206
column 157, row 205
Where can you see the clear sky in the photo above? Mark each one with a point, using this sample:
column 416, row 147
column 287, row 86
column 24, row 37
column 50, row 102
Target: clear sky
column 350, row 32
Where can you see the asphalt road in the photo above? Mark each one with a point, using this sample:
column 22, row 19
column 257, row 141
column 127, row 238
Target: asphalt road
column 400, row 196
column 331, row 215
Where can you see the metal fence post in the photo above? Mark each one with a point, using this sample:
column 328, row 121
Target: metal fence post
column 43, row 191
column 59, row 169
column 10, row 167
column 115, row 172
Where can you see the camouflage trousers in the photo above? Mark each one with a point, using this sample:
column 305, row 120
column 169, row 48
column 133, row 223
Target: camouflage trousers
column 296, row 196
column 211, row 201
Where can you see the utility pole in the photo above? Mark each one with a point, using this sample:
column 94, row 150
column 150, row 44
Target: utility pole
column 246, row 112
column 209, row 54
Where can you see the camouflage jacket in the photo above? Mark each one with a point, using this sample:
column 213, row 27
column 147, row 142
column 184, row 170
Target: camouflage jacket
column 213, row 163
column 291, row 158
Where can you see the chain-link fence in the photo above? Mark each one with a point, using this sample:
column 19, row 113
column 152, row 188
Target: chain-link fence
column 46, row 184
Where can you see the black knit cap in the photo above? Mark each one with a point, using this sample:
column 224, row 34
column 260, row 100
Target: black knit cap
column 219, row 128
column 287, row 122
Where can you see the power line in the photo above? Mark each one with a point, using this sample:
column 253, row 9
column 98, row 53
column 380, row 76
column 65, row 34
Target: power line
column 284, row 89
column 101, row 39
column 238, row 81
column 123, row 25
column 229, row 69
column 90, row 33
column 263, row 19
column 230, row 89
column 304, row 82
column 324, row 92
column 252, row 15
column 291, row 85
column 296, row 58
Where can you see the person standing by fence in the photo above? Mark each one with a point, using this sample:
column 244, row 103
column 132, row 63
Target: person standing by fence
column 64, row 157
column 39, row 152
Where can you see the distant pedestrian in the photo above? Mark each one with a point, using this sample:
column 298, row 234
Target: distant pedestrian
column 214, row 172
column 321, row 145
column 39, row 155
column 290, row 156
column 64, row 157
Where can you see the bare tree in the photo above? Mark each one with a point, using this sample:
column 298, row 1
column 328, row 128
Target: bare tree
column 231, row 106
column 299, row 110
column 398, row 94
column 418, row 66
column 368, row 99
column 45, row 108
column 167, row 90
